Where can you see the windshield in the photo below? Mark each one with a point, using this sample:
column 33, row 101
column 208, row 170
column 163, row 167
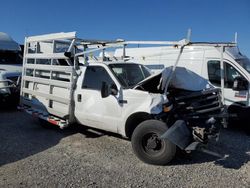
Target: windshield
column 10, row 57
column 129, row 74
column 245, row 63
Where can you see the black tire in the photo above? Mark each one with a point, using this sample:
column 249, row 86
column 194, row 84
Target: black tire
column 147, row 145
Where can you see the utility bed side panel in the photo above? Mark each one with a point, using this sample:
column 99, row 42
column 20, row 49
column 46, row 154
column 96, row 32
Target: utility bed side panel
column 43, row 99
column 48, row 76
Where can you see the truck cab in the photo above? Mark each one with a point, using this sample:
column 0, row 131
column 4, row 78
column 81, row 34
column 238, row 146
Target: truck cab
column 120, row 100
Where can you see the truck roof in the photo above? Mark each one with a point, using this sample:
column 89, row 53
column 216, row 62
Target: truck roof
column 7, row 43
column 160, row 50
column 111, row 62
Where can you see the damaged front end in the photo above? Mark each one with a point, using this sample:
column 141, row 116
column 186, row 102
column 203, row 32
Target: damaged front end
column 194, row 115
column 195, row 118
column 190, row 138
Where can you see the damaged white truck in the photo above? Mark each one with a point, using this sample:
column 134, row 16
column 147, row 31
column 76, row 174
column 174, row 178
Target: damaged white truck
column 64, row 83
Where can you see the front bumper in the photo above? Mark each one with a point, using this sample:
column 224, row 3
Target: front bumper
column 178, row 134
column 191, row 138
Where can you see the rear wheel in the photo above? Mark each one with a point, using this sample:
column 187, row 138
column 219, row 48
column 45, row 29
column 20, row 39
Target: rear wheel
column 148, row 146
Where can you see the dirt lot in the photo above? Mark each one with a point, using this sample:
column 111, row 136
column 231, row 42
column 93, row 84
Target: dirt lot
column 33, row 156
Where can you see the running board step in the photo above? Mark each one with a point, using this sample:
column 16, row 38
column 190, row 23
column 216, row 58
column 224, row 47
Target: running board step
column 45, row 116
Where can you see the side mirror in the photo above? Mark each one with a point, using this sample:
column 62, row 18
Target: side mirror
column 240, row 84
column 114, row 90
column 106, row 90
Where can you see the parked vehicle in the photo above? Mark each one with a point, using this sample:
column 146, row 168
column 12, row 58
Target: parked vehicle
column 208, row 60
column 10, row 69
column 115, row 96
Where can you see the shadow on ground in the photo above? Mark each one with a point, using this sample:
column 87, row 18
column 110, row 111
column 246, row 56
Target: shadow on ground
column 22, row 136
column 234, row 145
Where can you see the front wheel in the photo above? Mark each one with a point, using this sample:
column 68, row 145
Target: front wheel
column 148, row 146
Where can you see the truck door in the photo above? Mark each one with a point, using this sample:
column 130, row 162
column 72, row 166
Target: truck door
column 230, row 73
column 93, row 110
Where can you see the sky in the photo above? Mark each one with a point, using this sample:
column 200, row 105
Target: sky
column 210, row 20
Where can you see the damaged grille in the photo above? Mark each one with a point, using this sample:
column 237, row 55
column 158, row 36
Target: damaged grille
column 199, row 103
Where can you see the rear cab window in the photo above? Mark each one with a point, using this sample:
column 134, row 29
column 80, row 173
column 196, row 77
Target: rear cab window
column 95, row 76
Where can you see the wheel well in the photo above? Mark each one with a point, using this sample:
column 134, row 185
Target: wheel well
column 134, row 120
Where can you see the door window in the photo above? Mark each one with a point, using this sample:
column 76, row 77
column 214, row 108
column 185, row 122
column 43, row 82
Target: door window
column 230, row 73
column 214, row 74
column 94, row 76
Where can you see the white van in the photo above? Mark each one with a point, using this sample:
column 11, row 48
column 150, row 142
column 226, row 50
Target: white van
column 10, row 68
column 204, row 60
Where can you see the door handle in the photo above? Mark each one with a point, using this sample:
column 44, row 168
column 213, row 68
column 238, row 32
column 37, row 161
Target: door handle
column 123, row 101
column 79, row 97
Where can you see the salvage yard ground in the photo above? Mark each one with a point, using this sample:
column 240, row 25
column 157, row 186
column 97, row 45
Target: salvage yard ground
column 33, row 156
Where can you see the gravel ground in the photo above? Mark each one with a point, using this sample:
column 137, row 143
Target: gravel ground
column 33, row 156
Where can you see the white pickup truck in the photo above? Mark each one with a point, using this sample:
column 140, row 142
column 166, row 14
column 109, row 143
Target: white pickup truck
column 115, row 96
column 10, row 69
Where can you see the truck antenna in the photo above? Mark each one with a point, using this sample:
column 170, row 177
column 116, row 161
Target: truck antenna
column 189, row 35
column 235, row 37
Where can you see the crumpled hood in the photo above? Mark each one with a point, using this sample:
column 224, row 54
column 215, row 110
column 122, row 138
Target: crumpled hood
column 148, row 79
column 182, row 79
